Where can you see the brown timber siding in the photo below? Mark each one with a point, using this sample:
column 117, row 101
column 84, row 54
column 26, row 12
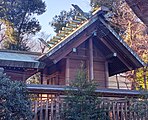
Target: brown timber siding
column 56, row 74
column 65, row 70
column 81, row 56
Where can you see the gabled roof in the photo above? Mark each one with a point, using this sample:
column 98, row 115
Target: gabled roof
column 20, row 59
column 72, row 29
column 140, row 8
column 109, row 42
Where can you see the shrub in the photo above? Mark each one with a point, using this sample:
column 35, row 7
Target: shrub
column 14, row 100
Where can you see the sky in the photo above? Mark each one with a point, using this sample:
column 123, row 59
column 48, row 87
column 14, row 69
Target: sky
column 54, row 7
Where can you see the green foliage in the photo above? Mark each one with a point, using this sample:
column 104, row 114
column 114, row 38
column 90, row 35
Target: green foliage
column 142, row 83
column 83, row 104
column 14, row 100
column 98, row 3
column 35, row 79
column 20, row 14
column 139, row 106
column 61, row 20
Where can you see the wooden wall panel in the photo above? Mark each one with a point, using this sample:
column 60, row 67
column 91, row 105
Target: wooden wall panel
column 62, row 77
column 75, row 65
column 99, row 63
column 82, row 50
column 99, row 66
column 62, row 67
column 97, row 54
column 56, row 76
column 99, row 73
column 75, row 59
column 18, row 76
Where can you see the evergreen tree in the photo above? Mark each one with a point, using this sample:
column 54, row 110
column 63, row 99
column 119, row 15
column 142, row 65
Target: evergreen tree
column 20, row 15
column 14, row 100
column 62, row 19
column 83, row 103
column 139, row 106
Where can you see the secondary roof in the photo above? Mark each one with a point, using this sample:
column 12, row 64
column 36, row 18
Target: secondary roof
column 20, row 59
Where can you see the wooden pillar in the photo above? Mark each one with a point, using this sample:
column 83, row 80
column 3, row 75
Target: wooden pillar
column 41, row 75
column 91, row 65
column 144, row 77
column 134, row 79
column 106, row 75
column 67, row 75
column 117, row 80
column 57, row 79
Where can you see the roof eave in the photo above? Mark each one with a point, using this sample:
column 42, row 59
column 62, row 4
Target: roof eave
column 131, row 52
column 21, row 64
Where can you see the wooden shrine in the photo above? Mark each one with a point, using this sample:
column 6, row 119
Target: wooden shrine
column 85, row 40
column 93, row 43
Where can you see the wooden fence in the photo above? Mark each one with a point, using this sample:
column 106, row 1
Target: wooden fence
column 118, row 109
column 47, row 101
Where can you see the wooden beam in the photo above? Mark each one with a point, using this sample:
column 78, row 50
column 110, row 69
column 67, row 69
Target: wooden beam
column 111, row 48
column 91, row 66
column 85, row 58
column 62, row 53
column 60, row 90
column 41, row 75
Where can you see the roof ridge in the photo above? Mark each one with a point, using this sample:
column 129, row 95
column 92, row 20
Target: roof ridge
column 66, row 31
column 70, row 28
